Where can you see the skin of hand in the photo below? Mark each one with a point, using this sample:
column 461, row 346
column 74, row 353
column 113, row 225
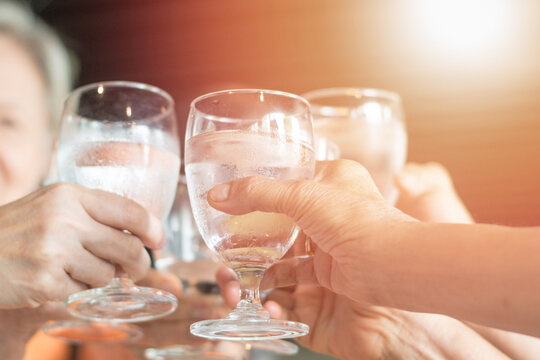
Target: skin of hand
column 370, row 252
column 379, row 332
column 342, row 185
column 346, row 329
column 64, row 238
column 426, row 192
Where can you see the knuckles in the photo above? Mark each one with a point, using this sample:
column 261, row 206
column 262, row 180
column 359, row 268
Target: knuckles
column 132, row 250
column 131, row 212
column 135, row 260
column 62, row 192
column 108, row 274
column 48, row 285
column 348, row 168
column 58, row 213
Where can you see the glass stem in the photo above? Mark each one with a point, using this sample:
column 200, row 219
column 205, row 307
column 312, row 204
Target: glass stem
column 120, row 279
column 120, row 282
column 249, row 305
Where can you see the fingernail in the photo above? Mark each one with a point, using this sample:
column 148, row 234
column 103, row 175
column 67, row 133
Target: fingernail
column 219, row 192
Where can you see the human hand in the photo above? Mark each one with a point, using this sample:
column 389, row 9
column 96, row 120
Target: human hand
column 346, row 329
column 65, row 238
column 338, row 326
column 426, row 193
column 340, row 210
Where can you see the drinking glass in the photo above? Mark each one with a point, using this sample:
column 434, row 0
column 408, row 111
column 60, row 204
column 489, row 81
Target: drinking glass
column 368, row 125
column 121, row 137
column 325, row 149
column 234, row 134
column 187, row 257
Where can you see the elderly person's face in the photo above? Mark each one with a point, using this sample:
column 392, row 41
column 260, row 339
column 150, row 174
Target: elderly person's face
column 25, row 135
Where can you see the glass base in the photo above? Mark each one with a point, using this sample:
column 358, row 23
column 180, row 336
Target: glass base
column 248, row 330
column 203, row 352
column 121, row 304
column 74, row 331
column 222, row 350
column 275, row 346
column 174, row 352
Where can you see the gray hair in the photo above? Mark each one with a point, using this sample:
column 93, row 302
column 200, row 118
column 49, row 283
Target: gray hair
column 46, row 49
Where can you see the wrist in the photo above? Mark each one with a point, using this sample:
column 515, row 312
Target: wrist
column 381, row 258
column 412, row 338
column 433, row 336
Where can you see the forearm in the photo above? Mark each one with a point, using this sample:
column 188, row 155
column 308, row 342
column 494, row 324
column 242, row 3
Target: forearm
column 431, row 336
column 516, row 346
column 483, row 273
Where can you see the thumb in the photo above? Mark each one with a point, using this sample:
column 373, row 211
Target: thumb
column 249, row 194
column 409, row 184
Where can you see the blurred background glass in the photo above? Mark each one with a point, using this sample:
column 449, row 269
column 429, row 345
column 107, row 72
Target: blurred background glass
column 368, row 125
column 187, row 244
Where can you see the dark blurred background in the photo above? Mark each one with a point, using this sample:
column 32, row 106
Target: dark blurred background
column 468, row 71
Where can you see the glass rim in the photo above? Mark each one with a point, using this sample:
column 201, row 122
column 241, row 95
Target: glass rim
column 127, row 84
column 243, row 91
column 356, row 92
column 353, row 91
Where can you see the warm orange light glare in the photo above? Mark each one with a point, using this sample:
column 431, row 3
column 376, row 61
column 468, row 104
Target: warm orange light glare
column 466, row 26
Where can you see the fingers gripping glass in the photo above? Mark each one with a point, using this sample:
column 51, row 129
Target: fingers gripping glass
column 235, row 134
column 121, row 137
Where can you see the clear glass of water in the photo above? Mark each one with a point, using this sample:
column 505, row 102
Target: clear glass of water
column 241, row 133
column 121, row 137
column 187, row 257
column 368, row 125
